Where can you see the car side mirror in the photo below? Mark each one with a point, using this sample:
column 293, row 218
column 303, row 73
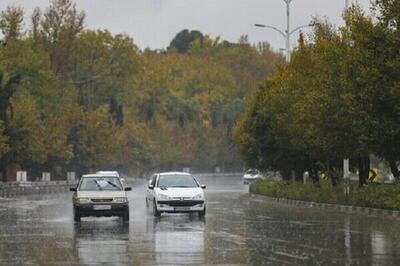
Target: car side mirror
column 128, row 189
column 203, row 186
column 72, row 189
column 151, row 187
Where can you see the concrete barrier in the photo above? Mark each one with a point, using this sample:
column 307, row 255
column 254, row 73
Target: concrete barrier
column 14, row 189
column 46, row 176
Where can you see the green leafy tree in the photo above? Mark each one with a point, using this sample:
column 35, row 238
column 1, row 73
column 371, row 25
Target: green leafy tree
column 56, row 31
column 105, row 66
column 11, row 23
column 94, row 141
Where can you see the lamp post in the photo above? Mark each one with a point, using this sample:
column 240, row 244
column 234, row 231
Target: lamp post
column 287, row 29
column 346, row 163
column 287, row 33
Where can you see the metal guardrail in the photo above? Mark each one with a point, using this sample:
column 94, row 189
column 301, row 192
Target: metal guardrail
column 13, row 189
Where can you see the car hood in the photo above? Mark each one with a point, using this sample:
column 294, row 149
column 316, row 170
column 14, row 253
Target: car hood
column 101, row 194
column 180, row 192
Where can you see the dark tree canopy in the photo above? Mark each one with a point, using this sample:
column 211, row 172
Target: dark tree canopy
column 182, row 40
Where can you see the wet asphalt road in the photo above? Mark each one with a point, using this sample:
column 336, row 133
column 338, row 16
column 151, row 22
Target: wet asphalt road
column 238, row 230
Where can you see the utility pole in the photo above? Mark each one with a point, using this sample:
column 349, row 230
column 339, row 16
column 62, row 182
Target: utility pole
column 287, row 29
column 346, row 163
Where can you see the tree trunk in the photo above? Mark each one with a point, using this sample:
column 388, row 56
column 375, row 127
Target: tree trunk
column 363, row 170
column 299, row 175
column 3, row 173
column 286, row 174
column 332, row 173
column 314, row 174
column 334, row 179
column 395, row 170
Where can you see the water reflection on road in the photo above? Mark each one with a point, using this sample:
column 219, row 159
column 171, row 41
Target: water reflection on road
column 238, row 230
column 103, row 242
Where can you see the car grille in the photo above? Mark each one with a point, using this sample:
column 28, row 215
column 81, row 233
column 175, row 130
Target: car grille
column 184, row 198
column 101, row 200
column 180, row 203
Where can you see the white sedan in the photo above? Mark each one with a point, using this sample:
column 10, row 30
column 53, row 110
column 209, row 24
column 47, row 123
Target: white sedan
column 251, row 175
column 175, row 192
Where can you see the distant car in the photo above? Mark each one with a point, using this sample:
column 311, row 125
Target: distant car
column 100, row 195
column 251, row 175
column 175, row 192
column 111, row 173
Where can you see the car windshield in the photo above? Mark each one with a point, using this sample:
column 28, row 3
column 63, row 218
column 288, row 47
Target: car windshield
column 106, row 183
column 252, row 172
column 177, row 181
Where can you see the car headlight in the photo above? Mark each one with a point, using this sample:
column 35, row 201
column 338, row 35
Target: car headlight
column 120, row 200
column 163, row 197
column 83, row 200
column 198, row 197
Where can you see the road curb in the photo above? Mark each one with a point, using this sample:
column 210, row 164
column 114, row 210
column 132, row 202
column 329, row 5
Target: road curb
column 335, row 207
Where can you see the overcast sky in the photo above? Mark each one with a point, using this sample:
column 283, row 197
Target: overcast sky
column 153, row 23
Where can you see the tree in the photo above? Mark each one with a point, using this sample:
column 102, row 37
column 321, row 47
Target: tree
column 7, row 90
column 260, row 143
column 82, row 99
column 56, row 31
column 105, row 66
column 11, row 22
column 3, row 141
column 94, row 139
column 181, row 42
column 385, row 38
column 25, row 136
column 338, row 93
column 389, row 13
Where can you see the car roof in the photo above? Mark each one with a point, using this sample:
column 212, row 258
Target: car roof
column 98, row 175
column 109, row 173
column 252, row 169
column 174, row 173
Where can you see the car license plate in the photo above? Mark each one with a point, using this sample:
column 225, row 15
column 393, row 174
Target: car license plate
column 182, row 209
column 101, row 207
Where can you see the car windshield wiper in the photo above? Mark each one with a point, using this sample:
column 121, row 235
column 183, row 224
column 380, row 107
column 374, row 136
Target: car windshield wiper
column 98, row 185
column 112, row 184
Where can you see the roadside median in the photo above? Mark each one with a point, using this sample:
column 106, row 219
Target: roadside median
column 372, row 199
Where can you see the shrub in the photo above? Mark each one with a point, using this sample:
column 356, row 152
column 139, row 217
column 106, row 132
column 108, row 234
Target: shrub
column 384, row 196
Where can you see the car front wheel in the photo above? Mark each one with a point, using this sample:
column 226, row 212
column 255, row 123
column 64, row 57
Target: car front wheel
column 203, row 212
column 77, row 216
column 155, row 211
column 125, row 216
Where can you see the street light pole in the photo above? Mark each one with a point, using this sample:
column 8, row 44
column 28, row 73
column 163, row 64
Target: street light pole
column 346, row 163
column 287, row 29
column 287, row 33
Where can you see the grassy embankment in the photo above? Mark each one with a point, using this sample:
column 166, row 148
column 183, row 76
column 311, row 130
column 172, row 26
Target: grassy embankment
column 383, row 196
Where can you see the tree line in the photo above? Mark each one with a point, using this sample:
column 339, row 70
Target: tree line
column 338, row 97
column 76, row 99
